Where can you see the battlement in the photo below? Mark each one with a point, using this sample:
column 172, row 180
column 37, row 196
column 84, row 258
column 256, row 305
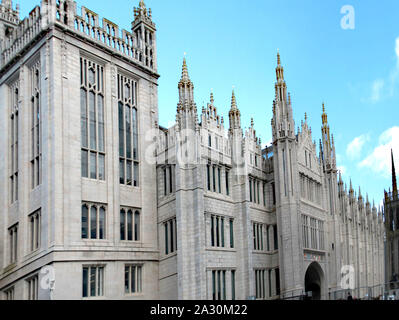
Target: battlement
column 137, row 46
column 7, row 13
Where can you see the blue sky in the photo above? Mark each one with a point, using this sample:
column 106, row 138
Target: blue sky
column 234, row 43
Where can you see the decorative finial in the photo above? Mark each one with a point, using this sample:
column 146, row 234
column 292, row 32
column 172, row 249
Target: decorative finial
column 278, row 57
column 212, row 99
column 306, row 117
column 185, row 76
column 324, row 116
column 233, row 101
column 252, row 122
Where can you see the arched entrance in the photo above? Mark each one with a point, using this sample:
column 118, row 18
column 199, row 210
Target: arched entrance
column 314, row 281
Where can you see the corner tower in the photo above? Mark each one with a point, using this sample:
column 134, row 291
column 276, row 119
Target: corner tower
column 285, row 176
column 145, row 32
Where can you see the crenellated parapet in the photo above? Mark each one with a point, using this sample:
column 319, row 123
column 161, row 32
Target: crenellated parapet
column 137, row 46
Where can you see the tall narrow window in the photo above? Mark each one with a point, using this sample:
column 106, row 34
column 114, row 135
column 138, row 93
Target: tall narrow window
column 92, row 120
column 165, row 182
column 93, row 221
column 128, row 131
column 214, row 178
column 9, row 294
column 14, row 132
column 129, row 224
column 170, row 179
column 233, row 284
column 219, row 181
column 231, row 233
column 275, row 237
column 93, row 281
column 170, row 230
column 208, row 176
column 34, row 230
column 33, row 287
column 133, row 279
column 250, row 190
column 36, row 124
column 13, row 243
column 219, row 285
column 227, row 183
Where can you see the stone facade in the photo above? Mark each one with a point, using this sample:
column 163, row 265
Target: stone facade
column 99, row 201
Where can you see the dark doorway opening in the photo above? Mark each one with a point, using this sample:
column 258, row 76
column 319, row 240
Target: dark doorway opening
column 313, row 279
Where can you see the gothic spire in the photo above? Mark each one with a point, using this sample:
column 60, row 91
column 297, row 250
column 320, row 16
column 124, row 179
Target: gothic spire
column 394, row 184
column 184, row 74
column 279, row 69
column 185, row 86
column 234, row 114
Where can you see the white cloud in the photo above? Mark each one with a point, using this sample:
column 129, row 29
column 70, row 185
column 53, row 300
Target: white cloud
column 355, row 147
column 376, row 90
column 379, row 161
column 381, row 88
column 342, row 169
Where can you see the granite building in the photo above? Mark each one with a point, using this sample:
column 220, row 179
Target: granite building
column 98, row 201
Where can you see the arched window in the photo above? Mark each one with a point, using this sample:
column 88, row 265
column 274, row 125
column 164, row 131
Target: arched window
column 85, row 221
column 129, row 224
column 93, row 221
column 137, row 226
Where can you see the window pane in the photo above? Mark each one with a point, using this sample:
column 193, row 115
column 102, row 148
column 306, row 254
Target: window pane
column 122, row 171
column 121, row 131
column 85, row 222
column 136, row 226
column 135, row 134
column 133, row 282
column 83, row 117
column 171, row 236
column 85, row 163
column 139, row 280
column 102, row 223
column 129, row 173
column 84, row 284
column 92, row 282
column 101, row 167
column 91, row 76
column 231, row 234
column 100, row 101
column 93, row 223
column 136, row 175
column 122, row 217
column 100, row 281
column 93, row 165
column 128, row 132
column 92, row 106
column 166, row 238
column 129, row 225
column 127, row 273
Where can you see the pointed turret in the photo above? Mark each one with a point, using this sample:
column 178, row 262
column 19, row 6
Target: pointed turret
column 144, row 30
column 185, row 86
column 394, row 184
column 328, row 143
column 186, row 108
column 283, row 123
column 234, row 114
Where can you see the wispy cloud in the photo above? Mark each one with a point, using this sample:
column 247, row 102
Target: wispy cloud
column 379, row 161
column 355, row 147
column 376, row 90
column 381, row 88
